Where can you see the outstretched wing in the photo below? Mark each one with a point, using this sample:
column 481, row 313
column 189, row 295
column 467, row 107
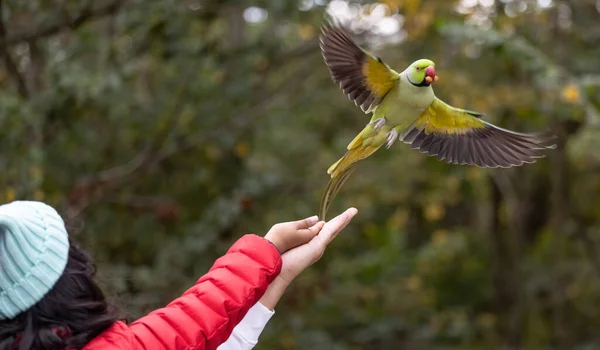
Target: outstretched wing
column 364, row 78
column 460, row 137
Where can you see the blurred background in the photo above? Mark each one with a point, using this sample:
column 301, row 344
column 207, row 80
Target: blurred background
column 163, row 130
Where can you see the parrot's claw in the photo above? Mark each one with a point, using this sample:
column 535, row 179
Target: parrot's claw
column 391, row 138
column 377, row 123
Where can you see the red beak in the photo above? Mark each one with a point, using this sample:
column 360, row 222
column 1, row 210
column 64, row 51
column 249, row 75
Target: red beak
column 430, row 72
column 430, row 76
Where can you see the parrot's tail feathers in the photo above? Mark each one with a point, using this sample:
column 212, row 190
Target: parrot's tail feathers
column 333, row 166
column 357, row 141
column 333, row 187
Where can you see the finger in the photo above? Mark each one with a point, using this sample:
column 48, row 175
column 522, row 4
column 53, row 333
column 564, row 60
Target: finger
column 306, row 223
column 337, row 224
column 304, row 236
column 292, row 226
column 314, row 229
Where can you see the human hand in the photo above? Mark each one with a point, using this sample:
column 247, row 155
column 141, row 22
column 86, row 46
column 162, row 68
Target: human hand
column 288, row 235
column 298, row 259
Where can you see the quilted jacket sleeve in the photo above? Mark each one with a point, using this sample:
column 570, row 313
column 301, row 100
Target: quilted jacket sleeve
column 204, row 316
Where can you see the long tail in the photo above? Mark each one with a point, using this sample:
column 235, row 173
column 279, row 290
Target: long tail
column 333, row 187
column 363, row 145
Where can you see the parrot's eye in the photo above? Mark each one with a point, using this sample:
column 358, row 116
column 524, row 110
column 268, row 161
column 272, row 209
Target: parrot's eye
column 418, row 68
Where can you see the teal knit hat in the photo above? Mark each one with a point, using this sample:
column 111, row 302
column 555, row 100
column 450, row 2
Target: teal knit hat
column 34, row 248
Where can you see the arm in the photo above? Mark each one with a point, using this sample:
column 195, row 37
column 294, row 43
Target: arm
column 245, row 335
column 204, row 316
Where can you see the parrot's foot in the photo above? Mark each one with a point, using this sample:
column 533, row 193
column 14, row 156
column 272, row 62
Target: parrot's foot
column 391, row 138
column 377, row 123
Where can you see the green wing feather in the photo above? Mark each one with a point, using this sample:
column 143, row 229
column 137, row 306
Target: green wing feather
column 458, row 136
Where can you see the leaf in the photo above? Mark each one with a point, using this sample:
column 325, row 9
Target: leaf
column 571, row 93
column 434, row 211
column 242, row 149
column 306, row 31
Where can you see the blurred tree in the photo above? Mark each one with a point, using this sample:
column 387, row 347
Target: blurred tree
column 163, row 130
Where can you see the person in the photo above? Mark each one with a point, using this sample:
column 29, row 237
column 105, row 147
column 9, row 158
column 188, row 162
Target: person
column 49, row 300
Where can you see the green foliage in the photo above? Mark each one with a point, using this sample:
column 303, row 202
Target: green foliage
column 164, row 130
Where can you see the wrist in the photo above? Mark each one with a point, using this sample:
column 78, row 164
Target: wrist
column 274, row 245
column 275, row 242
column 274, row 292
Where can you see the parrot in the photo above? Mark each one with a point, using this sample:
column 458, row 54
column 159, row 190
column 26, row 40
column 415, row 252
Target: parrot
column 405, row 108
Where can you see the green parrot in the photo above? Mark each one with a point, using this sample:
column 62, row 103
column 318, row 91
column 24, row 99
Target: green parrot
column 405, row 108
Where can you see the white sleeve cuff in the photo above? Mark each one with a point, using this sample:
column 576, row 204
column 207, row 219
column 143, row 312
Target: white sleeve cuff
column 245, row 335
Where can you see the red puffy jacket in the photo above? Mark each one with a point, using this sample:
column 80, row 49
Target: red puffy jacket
column 205, row 315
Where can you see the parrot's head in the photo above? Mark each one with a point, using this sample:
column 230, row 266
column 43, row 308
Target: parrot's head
column 421, row 72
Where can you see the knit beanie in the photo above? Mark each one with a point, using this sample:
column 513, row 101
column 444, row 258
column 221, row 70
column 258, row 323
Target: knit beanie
column 34, row 249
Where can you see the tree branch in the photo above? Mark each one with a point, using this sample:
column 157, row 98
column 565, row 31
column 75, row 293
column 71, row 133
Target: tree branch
column 88, row 13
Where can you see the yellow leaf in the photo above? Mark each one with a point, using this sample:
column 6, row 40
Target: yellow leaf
column 434, row 211
column 306, row 31
column 571, row 93
column 10, row 194
column 242, row 149
column 409, row 6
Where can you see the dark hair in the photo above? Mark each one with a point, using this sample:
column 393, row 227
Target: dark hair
column 73, row 312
